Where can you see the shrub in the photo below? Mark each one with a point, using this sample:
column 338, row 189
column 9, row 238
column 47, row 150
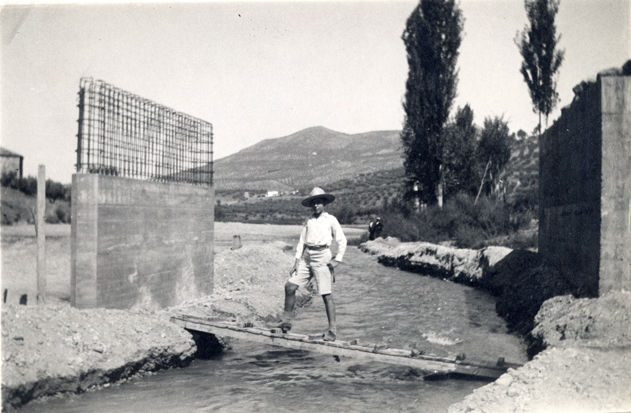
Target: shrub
column 57, row 190
column 10, row 215
column 469, row 225
column 57, row 212
column 62, row 211
column 16, row 207
column 27, row 185
column 51, row 217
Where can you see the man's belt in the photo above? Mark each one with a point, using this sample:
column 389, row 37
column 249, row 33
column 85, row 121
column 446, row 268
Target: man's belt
column 316, row 247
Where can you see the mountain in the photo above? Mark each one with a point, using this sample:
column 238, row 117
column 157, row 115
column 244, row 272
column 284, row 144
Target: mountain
column 366, row 168
column 311, row 157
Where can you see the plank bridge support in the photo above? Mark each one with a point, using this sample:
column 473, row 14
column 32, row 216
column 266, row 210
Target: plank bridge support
column 430, row 365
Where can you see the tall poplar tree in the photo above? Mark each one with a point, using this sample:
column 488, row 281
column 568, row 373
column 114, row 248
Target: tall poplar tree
column 537, row 44
column 432, row 37
column 459, row 153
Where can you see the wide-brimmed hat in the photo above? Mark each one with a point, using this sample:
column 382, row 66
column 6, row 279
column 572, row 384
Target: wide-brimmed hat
column 317, row 193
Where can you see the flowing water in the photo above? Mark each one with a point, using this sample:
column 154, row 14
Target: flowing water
column 375, row 304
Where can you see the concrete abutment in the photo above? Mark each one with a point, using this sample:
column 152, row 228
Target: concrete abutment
column 140, row 244
column 585, row 188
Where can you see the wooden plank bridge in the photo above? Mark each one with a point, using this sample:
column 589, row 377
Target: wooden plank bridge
column 430, row 365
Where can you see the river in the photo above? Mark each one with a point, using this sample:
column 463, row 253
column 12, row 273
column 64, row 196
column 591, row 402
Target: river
column 375, row 304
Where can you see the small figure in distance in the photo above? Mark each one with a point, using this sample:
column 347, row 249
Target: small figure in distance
column 374, row 229
column 315, row 259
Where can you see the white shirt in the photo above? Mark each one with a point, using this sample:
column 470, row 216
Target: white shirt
column 321, row 231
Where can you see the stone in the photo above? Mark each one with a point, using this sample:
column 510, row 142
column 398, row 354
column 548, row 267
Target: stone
column 504, row 380
column 512, row 392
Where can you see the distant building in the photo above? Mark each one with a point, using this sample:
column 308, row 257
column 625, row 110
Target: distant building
column 11, row 161
column 272, row 193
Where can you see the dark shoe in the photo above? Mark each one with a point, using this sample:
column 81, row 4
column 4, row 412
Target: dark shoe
column 284, row 325
column 329, row 336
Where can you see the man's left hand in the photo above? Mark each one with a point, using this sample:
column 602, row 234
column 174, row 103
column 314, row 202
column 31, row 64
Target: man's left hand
column 334, row 263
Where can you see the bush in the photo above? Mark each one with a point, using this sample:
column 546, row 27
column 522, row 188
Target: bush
column 57, row 190
column 10, row 215
column 57, row 212
column 27, row 186
column 16, row 207
column 51, row 218
column 63, row 212
column 468, row 225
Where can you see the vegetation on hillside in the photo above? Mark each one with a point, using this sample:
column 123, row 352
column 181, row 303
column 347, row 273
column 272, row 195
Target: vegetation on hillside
column 311, row 157
column 464, row 223
column 358, row 198
column 19, row 200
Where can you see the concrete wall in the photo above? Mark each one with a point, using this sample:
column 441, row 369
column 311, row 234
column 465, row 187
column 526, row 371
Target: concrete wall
column 585, row 186
column 140, row 244
column 615, row 240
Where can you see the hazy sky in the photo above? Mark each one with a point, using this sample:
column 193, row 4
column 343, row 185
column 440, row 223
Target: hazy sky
column 259, row 70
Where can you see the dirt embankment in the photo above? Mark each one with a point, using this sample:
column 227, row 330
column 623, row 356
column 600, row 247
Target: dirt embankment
column 584, row 367
column 53, row 349
column 580, row 346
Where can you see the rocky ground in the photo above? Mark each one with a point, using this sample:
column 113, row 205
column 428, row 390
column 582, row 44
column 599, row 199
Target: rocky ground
column 584, row 368
column 52, row 349
column 581, row 347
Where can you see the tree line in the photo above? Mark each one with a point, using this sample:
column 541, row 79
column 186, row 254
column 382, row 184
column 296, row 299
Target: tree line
column 447, row 155
column 28, row 186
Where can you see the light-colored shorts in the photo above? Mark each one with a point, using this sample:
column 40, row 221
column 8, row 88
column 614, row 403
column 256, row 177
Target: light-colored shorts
column 314, row 264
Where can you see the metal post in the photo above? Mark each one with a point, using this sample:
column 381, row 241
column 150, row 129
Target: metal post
column 41, row 235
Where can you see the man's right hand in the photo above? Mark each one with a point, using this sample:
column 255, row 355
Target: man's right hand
column 294, row 269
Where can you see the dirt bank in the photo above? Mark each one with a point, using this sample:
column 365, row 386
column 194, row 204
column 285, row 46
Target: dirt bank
column 56, row 348
column 53, row 349
column 584, row 368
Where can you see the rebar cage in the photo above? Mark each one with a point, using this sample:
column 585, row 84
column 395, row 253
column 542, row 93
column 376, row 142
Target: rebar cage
column 126, row 135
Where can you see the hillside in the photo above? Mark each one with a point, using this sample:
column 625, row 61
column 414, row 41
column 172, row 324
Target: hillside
column 20, row 208
column 312, row 157
column 321, row 157
column 365, row 171
column 522, row 172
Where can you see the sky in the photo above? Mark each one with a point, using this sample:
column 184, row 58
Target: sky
column 259, row 70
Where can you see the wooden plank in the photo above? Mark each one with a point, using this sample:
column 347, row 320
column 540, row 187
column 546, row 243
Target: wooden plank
column 429, row 364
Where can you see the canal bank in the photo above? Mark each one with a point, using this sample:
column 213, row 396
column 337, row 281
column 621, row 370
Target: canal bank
column 247, row 289
column 579, row 347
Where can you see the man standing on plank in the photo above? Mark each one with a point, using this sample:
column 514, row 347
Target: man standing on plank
column 315, row 259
